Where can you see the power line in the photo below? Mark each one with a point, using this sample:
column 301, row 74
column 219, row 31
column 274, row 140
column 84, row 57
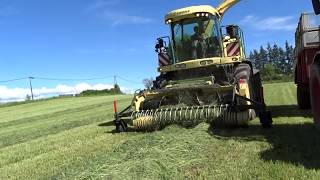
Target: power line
column 13, row 80
column 129, row 81
column 69, row 79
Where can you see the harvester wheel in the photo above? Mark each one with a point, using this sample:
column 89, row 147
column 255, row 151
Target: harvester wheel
column 315, row 92
column 244, row 71
column 121, row 127
column 303, row 97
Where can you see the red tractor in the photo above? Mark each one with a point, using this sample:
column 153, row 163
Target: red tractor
column 307, row 62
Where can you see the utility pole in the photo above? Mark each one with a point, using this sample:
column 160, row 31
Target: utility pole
column 114, row 80
column 114, row 84
column 30, row 81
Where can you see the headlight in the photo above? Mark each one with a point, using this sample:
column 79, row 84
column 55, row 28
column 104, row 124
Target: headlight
column 169, row 21
column 202, row 14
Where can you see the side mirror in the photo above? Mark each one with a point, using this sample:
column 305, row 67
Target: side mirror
column 160, row 45
column 157, row 47
column 316, row 6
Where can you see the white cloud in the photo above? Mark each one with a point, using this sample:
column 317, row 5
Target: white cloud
column 122, row 19
column 283, row 23
column 100, row 4
column 19, row 94
column 103, row 10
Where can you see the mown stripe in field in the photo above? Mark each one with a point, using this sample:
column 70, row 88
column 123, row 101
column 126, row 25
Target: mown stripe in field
column 55, row 116
column 62, row 158
column 55, row 124
column 22, row 122
column 280, row 93
column 38, row 108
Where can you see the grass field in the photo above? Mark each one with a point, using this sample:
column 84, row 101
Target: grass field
column 62, row 139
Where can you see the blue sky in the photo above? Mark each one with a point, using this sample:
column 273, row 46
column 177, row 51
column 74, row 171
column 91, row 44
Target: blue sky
column 98, row 38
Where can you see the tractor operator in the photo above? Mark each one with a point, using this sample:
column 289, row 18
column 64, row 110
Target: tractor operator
column 199, row 45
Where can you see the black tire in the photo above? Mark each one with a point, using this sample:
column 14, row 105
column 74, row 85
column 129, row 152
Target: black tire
column 303, row 97
column 244, row 71
column 315, row 92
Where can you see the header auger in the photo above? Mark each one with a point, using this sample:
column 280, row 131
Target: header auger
column 204, row 76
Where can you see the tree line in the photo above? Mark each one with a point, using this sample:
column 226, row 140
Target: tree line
column 274, row 62
column 115, row 90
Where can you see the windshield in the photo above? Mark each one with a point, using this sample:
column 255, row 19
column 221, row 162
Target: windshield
column 196, row 38
column 311, row 21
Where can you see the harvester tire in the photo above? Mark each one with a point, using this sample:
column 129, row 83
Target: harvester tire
column 315, row 92
column 244, row 71
column 303, row 97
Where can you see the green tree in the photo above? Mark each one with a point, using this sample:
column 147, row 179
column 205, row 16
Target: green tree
column 269, row 72
column 269, row 51
column 28, row 97
column 274, row 61
column 281, row 61
column 148, row 83
column 275, row 56
column 289, row 56
column 263, row 58
column 254, row 58
column 116, row 89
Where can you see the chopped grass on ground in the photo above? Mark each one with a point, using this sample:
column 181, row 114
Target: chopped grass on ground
column 62, row 139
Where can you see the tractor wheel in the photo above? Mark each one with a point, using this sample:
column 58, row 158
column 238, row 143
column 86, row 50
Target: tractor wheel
column 303, row 97
column 243, row 71
column 315, row 92
column 121, row 127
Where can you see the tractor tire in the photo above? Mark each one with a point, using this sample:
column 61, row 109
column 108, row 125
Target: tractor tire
column 315, row 92
column 303, row 97
column 244, row 71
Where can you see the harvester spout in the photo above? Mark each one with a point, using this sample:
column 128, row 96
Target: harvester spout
column 227, row 4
